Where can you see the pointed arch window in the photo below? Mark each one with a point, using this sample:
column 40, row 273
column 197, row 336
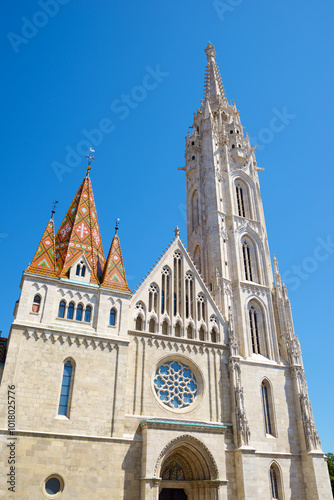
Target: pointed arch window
column 88, row 314
column 153, row 298
column 254, row 329
column 78, row 315
column 201, row 333
column 178, row 329
column 80, row 269
column 139, row 323
column 240, row 200
column 275, row 483
column 165, row 327
column 189, row 290
column 195, row 210
column 66, row 389
column 36, row 303
column 267, row 407
column 190, row 332
column 177, row 295
column 165, row 290
column 247, row 261
column 112, row 317
column 201, row 307
column 151, row 325
column 213, row 335
column 61, row 309
column 70, row 310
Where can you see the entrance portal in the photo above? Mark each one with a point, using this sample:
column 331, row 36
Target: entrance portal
column 172, row 494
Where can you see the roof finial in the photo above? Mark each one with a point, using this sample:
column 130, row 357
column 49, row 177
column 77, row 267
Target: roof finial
column 177, row 232
column 210, row 51
column 117, row 224
column 53, row 211
column 90, row 159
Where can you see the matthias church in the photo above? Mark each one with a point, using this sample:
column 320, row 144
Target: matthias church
column 192, row 387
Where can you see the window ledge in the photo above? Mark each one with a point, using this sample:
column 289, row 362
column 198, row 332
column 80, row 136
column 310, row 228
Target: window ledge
column 61, row 417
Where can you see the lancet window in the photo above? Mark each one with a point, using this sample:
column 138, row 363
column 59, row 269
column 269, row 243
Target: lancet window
column 112, row 317
column 254, row 330
column 153, row 298
column 80, row 269
column 267, row 406
column 177, row 297
column 201, row 307
column 240, row 200
column 189, row 286
column 151, row 325
column 61, row 309
column 140, row 310
column 275, row 482
column 165, row 290
column 66, row 389
column 195, row 210
column 246, row 253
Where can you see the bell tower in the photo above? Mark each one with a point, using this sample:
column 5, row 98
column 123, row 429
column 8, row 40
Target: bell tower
column 227, row 236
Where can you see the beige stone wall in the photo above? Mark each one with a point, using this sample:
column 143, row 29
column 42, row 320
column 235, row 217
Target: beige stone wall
column 90, row 468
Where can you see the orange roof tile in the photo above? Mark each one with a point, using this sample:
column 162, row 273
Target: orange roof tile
column 79, row 234
column 114, row 273
column 44, row 259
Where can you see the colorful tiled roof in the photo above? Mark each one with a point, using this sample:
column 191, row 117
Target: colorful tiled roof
column 114, row 273
column 3, row 344
column 79, row 234
column 44, row 259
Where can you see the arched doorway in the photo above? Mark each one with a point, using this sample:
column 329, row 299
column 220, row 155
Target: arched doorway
column 173, row 494
column 187, row 470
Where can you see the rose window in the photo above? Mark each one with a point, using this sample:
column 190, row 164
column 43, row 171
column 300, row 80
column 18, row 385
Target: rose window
column 175, row 385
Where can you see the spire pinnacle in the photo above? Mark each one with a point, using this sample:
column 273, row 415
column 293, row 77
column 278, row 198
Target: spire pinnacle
column 90, row 158
column 214, row 89
column 53, row 211
column 117, row 225
column 177, row 232
column 114, row 276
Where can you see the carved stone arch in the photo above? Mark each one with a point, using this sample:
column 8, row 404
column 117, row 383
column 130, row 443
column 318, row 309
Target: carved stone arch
column 256, row 252
column 78, row 296
column 246, row 200
column 195, row 452
column 68, row 294
column 61, row 292
column 111, row 300
column 263, row 322
column 277, row 468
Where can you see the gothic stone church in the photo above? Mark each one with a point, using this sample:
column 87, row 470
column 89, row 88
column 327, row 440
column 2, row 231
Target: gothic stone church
column 192, row 387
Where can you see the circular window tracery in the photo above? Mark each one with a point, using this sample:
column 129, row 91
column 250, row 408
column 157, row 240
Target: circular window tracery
column 175, row 385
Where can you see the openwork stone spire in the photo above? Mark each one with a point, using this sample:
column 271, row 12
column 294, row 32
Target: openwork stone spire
column 44, row 260
column 79, row 234
column 213, row 89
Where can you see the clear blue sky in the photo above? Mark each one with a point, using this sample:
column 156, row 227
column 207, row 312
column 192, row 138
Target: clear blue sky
column 69, row 73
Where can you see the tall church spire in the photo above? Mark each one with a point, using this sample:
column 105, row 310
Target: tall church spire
column 213, row 90
column 44, row 259
column 79, row 234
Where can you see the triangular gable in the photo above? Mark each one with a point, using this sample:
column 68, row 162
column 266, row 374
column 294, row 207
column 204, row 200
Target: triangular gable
column 114, row 273
column 44, row 260
column 79, row 234
column 141, row 295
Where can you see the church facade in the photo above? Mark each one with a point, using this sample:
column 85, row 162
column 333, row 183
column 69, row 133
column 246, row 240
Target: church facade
column 192, row 387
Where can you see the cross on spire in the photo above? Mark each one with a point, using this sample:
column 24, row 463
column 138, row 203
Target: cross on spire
column 90, row 158
column 53, row 211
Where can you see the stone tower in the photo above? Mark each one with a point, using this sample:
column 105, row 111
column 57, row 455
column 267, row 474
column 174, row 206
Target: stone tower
column 228, row 242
